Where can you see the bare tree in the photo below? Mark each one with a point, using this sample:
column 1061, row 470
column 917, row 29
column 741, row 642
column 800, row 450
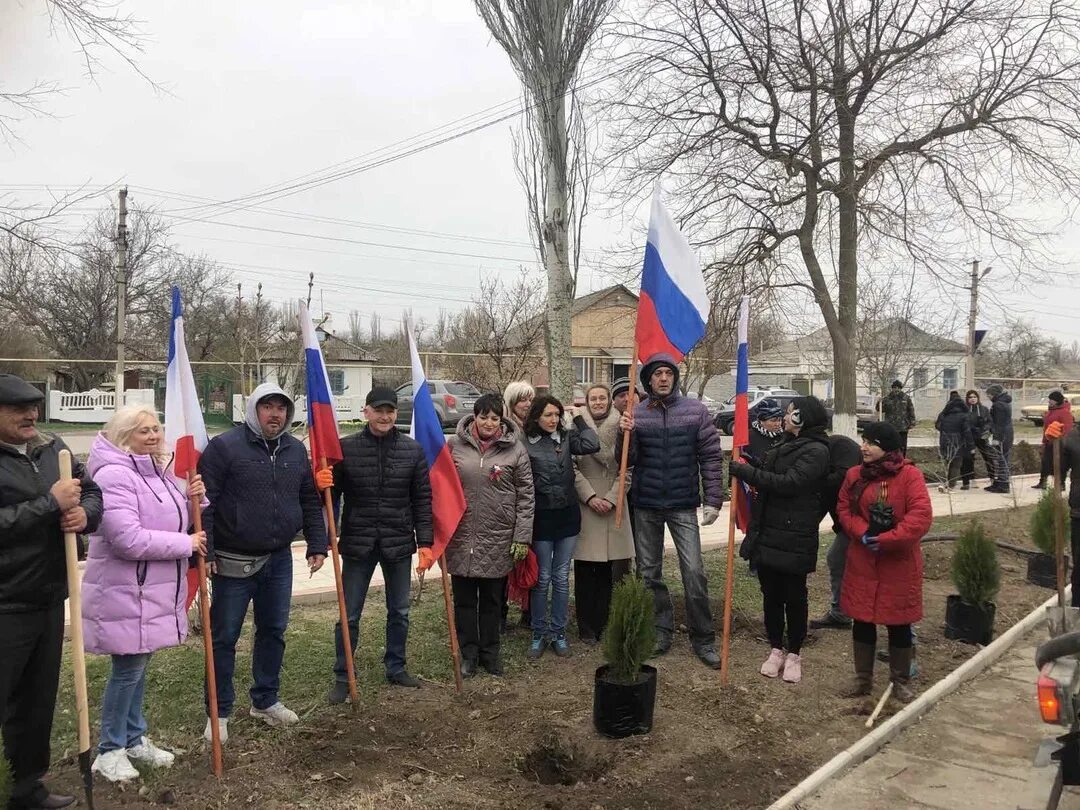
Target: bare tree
column 789, row 129
column 546, row 41
column 497, row 340
column 1017, row 351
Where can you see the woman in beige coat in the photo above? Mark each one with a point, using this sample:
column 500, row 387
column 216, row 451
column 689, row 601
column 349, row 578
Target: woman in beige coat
column 494, row 532
column 603, row 552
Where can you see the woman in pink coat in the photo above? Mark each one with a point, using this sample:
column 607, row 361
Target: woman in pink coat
column 134, row 588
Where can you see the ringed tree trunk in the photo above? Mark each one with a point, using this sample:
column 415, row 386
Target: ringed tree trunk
column 556, row 254
column 844, row 355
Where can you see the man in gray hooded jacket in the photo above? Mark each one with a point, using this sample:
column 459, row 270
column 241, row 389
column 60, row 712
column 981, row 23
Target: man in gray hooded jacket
column 262, row 494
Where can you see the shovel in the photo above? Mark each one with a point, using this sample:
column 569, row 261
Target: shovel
column 78, row 653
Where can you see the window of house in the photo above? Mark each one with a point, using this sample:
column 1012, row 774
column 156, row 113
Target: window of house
column 584, row 369
column 337, row 381
column 949, row 378
column 919, row 378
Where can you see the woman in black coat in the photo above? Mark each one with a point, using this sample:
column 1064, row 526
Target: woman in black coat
column 955, row 438
column 783, row 537
column 557, row 518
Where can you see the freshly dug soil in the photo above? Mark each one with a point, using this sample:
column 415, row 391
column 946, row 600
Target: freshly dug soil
column 527, row 740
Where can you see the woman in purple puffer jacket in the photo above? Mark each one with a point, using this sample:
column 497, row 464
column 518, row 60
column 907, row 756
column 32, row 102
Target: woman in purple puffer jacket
column 134, row 588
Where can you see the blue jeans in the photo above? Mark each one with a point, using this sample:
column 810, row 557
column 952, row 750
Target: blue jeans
column 649, row 545
column 355, row 579
column 271, row 592
column 553, row 561
column 122, row 720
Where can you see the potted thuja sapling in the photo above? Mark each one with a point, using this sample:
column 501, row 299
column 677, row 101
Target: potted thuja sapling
column 624, row 690
column 1042, row 567
column 969, row 614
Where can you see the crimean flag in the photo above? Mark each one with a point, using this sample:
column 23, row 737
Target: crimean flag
column 185, row 430
column 447, row 497
column 741, row 433
column 323, row 434
column 673, row 307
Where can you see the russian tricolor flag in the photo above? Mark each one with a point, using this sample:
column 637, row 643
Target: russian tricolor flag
column 322, row 420
column 741, row 431
column 185, row 430
column 674, row 306
column 447, row 497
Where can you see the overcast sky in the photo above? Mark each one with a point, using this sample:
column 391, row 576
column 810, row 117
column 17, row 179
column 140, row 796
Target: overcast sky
column 257, row 94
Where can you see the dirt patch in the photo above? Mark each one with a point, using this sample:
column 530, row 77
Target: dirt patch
column 527, row 740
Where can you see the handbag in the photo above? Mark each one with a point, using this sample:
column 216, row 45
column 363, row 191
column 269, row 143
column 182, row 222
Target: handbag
column 882, row 518
column 239, row 566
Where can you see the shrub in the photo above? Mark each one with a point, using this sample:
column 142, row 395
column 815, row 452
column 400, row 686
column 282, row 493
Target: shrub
column 975, row 570
column 630, row 636
column 5, row 781
column 1043, row 533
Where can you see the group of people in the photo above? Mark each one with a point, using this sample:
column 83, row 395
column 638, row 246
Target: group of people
column 796, row 474
column 538, row 477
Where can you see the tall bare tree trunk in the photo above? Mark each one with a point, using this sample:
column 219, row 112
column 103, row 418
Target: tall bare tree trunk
column 844, row 354
column 560, row 279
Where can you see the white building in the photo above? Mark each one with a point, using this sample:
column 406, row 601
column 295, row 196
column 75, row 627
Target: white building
column 928, row 365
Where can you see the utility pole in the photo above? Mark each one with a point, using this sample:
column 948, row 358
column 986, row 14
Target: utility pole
column 121, row 295
column 973, row 311
column 258, row 336
column 240, row 338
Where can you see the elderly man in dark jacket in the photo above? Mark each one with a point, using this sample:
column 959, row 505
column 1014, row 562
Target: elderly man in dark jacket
column 676, row 455
column 262, row 493
column 898, row 410
column 386, row 514
column 36, row 508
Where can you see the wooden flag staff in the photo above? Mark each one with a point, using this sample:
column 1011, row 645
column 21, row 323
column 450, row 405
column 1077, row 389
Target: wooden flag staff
column 343, row 614
column 208, row 640
column 630, row 403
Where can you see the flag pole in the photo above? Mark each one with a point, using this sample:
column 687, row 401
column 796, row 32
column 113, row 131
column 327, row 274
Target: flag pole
column 729, row 579
column 343, row 614
column 1059, row 526
column 208, row 641
column 630, row 403
column 451, row 623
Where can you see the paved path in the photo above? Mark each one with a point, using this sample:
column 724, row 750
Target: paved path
column 973, row 749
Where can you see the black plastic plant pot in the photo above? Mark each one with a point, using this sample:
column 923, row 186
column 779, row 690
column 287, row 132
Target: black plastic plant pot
column 971, row 624
column 619, row 709
column 1042, row 570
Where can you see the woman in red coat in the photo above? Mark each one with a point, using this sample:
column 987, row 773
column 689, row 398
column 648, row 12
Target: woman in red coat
column 885, row 509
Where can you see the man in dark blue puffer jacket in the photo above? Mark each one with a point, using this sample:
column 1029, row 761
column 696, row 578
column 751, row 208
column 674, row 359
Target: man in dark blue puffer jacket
column 676, row 455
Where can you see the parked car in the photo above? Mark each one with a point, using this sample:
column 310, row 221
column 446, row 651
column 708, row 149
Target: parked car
column 725, row 414
column 453, row 400
column 710, row 404
column 864, row 411
column 1035, row 413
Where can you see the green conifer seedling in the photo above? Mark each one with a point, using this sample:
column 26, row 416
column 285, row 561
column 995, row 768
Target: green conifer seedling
column 975, row 570
column 630, row 636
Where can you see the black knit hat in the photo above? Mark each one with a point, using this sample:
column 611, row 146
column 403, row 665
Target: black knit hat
column 1057, row 397
column 897, row 384
column 17, row 391
column 883, row 435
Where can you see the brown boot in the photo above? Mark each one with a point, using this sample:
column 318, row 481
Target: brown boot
column 863, row 682
column 900, row 674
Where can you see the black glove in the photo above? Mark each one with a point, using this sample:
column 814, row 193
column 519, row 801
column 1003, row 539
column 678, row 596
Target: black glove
column 881, row 518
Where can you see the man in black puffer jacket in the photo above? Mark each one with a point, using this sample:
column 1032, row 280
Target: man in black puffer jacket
column 384, row 482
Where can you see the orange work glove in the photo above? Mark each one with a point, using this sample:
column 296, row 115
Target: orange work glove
column 1055, row 430
column 324, row 479
column 427, row 559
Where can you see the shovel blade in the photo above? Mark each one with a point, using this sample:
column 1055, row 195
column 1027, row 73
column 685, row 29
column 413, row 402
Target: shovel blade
column 87, row 777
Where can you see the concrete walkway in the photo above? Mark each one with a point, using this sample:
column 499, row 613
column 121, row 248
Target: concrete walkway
column 973, row 749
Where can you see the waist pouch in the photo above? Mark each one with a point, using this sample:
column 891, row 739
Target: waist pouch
column 239, row 566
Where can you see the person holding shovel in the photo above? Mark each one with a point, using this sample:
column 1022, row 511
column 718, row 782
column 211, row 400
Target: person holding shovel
column 885, row 509
column 36, row 508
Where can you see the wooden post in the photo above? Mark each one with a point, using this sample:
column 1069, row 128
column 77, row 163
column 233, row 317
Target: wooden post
column 343, row 614
column 729, row 580
column 630, row 403
column 78, row 651
column 208, row 640
column 1059, row 527
column 451, row 623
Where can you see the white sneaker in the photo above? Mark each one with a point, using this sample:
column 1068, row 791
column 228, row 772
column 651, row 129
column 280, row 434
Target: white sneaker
column 276, row 715
column 223, row 730
column 115, row 766
column 149, row 753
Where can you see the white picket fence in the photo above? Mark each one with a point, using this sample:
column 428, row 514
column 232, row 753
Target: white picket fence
column 347, row 409
column 93, row 406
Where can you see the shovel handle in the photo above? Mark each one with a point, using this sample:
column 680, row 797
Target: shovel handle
column 78, row 653
column 880, row 705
